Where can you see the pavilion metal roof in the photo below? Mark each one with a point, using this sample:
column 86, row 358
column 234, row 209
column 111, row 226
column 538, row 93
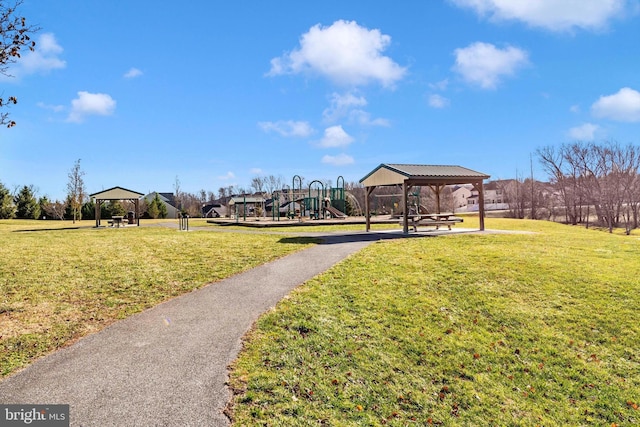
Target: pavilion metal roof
column 394, row 173
column 116, row 193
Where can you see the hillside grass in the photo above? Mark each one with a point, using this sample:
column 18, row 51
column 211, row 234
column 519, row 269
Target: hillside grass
column 59, row 284
column 477, row 329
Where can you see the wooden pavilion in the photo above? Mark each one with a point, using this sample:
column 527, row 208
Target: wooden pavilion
column 117, row 193
column 434, row 176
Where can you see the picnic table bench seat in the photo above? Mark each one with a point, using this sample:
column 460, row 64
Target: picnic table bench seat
column 435, row 220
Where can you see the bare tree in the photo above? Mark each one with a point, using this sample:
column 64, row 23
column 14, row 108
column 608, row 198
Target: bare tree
column 273, row 183
column 76, row 192
column 604, row 176
column 257, row 184
column 55, row 209
column 14, row 37
column 223, row 193
column 177, row 193
column 515, row 195
column 565, row 174
column 191, row 204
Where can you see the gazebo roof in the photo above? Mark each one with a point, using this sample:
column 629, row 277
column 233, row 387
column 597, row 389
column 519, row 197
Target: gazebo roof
column 392, row 174
column 116, row 193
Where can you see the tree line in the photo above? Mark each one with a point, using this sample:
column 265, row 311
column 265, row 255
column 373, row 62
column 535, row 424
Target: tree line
column 599, row 180
column 588, row 183
column 23, row 202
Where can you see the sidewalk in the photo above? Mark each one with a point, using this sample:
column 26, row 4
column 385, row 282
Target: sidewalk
column 168, row 365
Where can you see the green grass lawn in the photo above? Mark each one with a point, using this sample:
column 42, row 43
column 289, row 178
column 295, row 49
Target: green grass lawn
column 469, row 330
column 58, row 285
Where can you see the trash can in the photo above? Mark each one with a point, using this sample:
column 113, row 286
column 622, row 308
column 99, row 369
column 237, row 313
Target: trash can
column 131, row 217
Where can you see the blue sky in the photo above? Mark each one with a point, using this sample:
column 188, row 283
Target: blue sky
column 215, row 93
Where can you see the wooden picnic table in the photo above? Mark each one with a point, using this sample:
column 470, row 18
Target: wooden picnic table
column 117, row 220
column 434, row 219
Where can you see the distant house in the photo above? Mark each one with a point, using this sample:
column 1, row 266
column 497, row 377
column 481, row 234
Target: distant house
column 169, row 201
column 246, row 206
column 461, row 194
column 495, row 197
column 214, row 210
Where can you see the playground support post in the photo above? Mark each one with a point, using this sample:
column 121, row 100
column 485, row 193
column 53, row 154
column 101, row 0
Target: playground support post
column 318, row 205
column 293, row 193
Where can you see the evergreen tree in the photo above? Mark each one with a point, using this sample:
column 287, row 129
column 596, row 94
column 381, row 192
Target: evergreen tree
column 27, row 206
column 157, row 208
column 68, row 211
column 89, row 210
column 7, row 209
column 162, row 208
column 116, row 208
column 153, row 210
column 43, row 203
column 105, row 210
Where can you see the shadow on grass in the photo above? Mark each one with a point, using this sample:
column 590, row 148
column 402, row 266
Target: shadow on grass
column 301, row 240
column 338, row 238
column 51, row 229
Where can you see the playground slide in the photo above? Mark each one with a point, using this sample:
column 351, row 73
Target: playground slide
column 335, row 212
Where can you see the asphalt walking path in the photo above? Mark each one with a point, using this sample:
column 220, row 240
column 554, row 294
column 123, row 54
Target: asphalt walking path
column 168, row 365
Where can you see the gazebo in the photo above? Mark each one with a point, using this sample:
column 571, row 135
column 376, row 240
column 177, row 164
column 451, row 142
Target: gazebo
column 434, row 176
column 116, row 193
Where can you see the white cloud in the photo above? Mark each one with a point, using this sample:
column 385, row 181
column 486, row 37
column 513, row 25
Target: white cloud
column 43, row 59
column 484, row 64
column 288, row 128
column 133, row 73
column 229, row 176
column 363, row 118
column 623, row 106
column 584, row 132
column 341, row 105
column 346, row 106
column 54, row 108
column 575, row 109
column 335, row 136
column 438, row 101
column 91, row 104
column 441, row 85
column 256, row 171
column 339, row 160
column 344, row 52
column 554, row 15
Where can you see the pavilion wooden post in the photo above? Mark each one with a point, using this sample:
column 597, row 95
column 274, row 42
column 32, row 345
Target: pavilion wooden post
column 405, row 207
column 437, row 189
column 97, row 212
column 367, row 205
column 479, row 187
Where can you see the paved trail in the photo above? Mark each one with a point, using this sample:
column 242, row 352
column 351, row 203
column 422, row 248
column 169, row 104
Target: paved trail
column 168, row 365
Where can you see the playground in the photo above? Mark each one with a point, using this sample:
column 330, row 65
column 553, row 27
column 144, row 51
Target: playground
column 319, row 202
column 296, row 205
